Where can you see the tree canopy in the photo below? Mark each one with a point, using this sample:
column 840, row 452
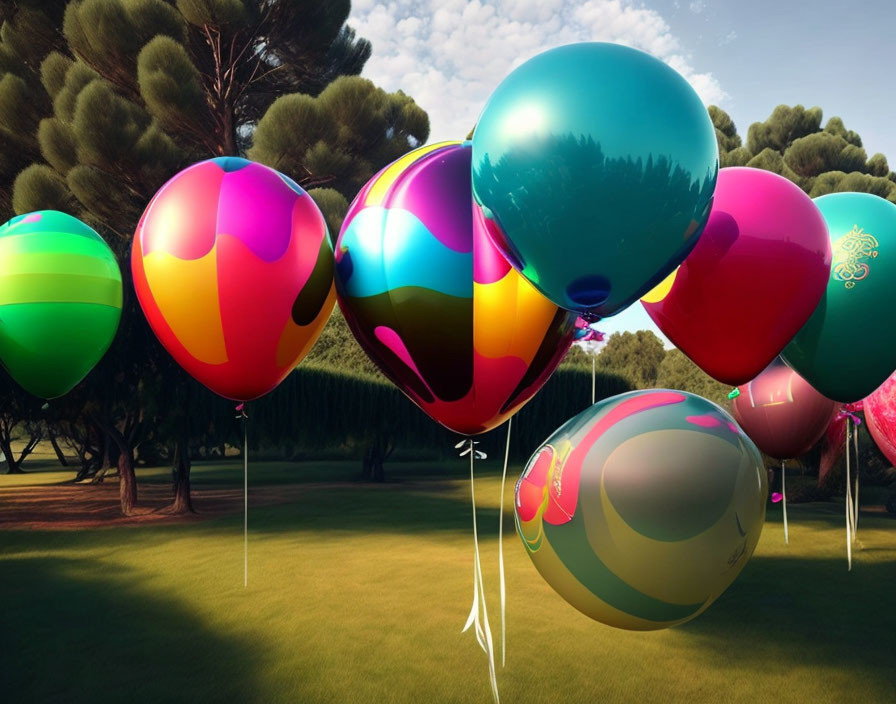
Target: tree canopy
column 793, row 144
column 102, row 101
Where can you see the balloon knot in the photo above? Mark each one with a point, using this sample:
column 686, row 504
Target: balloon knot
column 848, row 413
column 585, row 331
column 470, row 446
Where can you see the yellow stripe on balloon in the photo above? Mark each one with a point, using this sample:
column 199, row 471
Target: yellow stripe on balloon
column 582, row 598
column 186, row 292
column 381, row 186
column 661, row 290
column 511, row 299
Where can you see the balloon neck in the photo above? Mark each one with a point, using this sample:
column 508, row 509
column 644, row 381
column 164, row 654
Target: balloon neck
column 848, row 413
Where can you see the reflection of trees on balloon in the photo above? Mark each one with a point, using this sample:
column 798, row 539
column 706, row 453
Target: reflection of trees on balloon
column 542, row 187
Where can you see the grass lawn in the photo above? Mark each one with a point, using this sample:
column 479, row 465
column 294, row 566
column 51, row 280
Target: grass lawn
column 358, row 593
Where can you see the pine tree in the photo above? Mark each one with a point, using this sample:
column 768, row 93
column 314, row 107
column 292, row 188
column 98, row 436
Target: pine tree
column 124, row 93
column 793, row 144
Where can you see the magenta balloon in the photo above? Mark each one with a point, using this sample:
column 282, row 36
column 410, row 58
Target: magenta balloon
column 754, row 278
column 880, row 413
column 782, row 413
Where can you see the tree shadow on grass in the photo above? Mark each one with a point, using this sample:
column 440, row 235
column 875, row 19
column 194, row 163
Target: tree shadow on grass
column 808, row 613
column 383, row 511
column 79, row 630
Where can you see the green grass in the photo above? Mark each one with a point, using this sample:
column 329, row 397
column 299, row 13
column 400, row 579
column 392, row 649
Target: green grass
column 358, row 594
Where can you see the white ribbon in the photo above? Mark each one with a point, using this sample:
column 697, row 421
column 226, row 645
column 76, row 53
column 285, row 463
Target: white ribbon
column 593, row 377
column 784, row 500
column 849, row 519
column 478, row 617
column 855, row 511
column 245, row 502
column 501, row 552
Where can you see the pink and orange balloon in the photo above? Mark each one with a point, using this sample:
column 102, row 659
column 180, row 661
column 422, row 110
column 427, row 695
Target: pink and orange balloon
column 756, row 275
column 234, row 270
column 782, row 413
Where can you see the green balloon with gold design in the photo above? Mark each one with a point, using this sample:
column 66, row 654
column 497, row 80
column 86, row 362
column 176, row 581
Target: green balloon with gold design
column 60, row 300
column 847, row 348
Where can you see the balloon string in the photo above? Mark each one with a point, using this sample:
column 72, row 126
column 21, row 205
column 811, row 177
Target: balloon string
column 848, row 501
column 784, row 499
column 855, row 511
column 593, row 378
column 501, row 551
column 481, row 626
column 245, row 501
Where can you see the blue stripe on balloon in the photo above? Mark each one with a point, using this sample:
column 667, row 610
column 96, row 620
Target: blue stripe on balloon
column 390, row 248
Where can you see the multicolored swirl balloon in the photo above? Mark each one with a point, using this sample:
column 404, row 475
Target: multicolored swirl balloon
column 234, row 270
column 433, row 302
column 847, row 348
column 643, row 509
column 60, row 301
column 595, row 164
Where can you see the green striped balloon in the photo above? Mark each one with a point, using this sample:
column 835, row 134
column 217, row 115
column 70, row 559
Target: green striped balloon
column 60, row 300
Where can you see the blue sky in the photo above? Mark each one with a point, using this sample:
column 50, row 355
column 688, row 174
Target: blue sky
column 745, row 57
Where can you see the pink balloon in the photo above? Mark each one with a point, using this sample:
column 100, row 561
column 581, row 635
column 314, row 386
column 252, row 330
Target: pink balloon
column 880, row 412
column 782, row 413
column 832, row 447
column 756, row 275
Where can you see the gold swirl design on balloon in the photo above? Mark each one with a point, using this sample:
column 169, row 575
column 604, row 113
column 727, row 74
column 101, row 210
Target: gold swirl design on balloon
column 850, row 253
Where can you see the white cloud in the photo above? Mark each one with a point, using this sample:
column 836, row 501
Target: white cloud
column 450, row 54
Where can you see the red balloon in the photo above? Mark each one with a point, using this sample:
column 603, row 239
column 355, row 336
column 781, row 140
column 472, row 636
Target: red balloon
column 756, row 275
column 880, row 413
column 782, row 413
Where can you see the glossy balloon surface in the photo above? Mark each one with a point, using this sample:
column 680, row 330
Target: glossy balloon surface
column 880, row 413
column 782, row 413
column 60, row 300
column 234, row 270
column 752, row 281
column 595, row 164
column 848, row 346
column 643, row 509
column 433, row 302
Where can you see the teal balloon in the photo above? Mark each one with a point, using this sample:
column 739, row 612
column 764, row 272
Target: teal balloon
column 847, row 348
column 595, row 165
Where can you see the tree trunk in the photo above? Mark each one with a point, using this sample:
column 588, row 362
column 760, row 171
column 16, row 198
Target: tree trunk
column 379, row 473
column 378, row 450
column 58, row 450
column 127, row 479
column 183, row 502
column 12, row 466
